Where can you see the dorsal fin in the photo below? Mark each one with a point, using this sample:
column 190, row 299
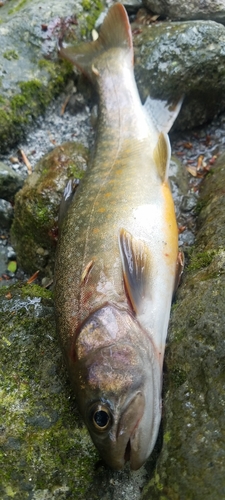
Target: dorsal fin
column 136, row 264
column 115, row 32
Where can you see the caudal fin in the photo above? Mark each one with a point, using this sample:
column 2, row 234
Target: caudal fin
column 115, row 32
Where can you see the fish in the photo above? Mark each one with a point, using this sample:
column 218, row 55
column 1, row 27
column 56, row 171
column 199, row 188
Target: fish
column 117, row 257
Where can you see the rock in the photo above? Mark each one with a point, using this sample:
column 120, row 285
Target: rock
column 178, row 182
column 179, row 10
column 11, row 254
column 6, row 214
column 182, row 58
column 35, row 227
column 192, row 461
column 10, row 182
column 132, row 5
column 31, row 74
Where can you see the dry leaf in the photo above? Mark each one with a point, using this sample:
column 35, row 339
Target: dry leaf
column 14, row 159
column 213, row 159
column 188, row 145
column 26, row 161
column 200, row 162
column 65, row 104
column 192, row 171
column 33, row 278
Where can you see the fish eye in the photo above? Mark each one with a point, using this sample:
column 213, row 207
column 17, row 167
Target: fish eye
column 101, row 417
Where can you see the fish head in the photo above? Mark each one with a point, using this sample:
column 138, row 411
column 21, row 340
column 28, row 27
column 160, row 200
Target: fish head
column 118, row 386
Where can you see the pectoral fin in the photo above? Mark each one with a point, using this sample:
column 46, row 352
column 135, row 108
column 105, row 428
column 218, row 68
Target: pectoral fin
column 136, row 263
column 67, row 198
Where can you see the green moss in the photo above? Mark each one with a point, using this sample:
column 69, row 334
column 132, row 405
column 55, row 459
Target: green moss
column 41, row 214
column 77, row 174
column 43, row 444
column 86, row 4
column 200, row 205
column 35, row 291
column 17, row 7
column 17, row 102
column 200, row 260
column 178, row 376
column 32, row 101
column 10, row 54
column 94, row 10
column 179, row 334
column 167, row 437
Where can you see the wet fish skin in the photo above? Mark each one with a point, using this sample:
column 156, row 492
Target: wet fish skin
column 116, row 259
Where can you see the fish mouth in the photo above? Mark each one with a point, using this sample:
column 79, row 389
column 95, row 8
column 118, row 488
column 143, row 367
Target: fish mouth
column 128, row 429
column 127, row 453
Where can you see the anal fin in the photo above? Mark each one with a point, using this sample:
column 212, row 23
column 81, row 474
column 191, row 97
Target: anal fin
column 161, row 155
column 163, row 113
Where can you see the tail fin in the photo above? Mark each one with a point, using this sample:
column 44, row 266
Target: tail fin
column 115, row 32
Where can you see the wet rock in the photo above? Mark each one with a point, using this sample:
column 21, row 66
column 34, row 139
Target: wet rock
column 178, row 182
column 132, row 5
column 35, row 227
column 186, row 58
column 6, row 214
column 11, row 254
column 10, row 182
column 189, row 202
column 179, row 10
column 192, row 462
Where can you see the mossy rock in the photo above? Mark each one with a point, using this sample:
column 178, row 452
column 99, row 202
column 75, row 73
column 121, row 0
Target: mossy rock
column 44, row 448
column 31, row 74
column 35, row 227
column 192, row 462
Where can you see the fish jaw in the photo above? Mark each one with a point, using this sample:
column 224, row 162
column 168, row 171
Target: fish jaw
column 120, row 380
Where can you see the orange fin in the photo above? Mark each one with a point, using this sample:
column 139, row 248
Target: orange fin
column 115, row 32
column 136, row 264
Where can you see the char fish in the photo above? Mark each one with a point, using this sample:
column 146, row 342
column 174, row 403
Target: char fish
column 117, row 257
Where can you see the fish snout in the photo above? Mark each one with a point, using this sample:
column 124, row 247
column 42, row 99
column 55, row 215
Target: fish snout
column 127, row 432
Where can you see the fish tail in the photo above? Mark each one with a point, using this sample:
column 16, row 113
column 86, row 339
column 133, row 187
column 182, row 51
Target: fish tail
column 115, row 32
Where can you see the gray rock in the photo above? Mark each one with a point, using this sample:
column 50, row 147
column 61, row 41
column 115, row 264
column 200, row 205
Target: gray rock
column 180, row 10
column 10, row 182
column 192, row 462
column 186, row 58
column 6, row 214
column 11, row 254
